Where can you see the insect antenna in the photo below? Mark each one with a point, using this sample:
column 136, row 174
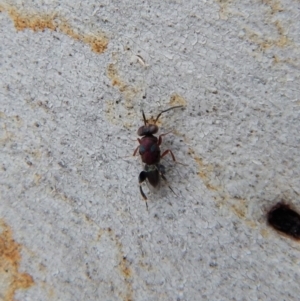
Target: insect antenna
column 144, row 117
column 166, row 111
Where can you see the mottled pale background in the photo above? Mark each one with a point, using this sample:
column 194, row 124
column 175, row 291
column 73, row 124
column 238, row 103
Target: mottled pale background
column 74, row 77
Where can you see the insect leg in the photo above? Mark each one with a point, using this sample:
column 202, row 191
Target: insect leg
column 135, row 151
column 142, row 178
column 168, row 151
column 161, row 170
column 160, row 139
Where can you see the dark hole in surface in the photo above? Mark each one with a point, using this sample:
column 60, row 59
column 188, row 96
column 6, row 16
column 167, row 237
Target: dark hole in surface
column 284, row 219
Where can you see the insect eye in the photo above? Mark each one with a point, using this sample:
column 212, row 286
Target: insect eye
column 142, row 149
column 153, row 148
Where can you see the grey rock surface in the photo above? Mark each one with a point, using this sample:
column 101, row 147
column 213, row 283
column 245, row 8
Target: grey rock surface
column 75, row 76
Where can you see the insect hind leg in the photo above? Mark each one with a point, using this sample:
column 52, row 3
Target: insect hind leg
column 161, row 169
column 142, row 178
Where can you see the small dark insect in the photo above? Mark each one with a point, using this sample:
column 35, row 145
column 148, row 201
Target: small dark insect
column 149, row 149
column 284, row 219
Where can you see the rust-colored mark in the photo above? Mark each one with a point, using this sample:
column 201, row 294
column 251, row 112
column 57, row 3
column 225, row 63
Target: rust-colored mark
column 123, row 264
column 282, row 40
column 37, row 179
column 266, row 43
column 113, row 75
column 128, row 91
column 224, row 12
column 264, row 233
column 6, row 135
column 10, row 258
column 33, row 22
column 177, row 100
column 41, row 22
column 205, row 171
column 262, row 41
column 240, row 208
column 97, row 42
column 274, row 5
column 251, row 223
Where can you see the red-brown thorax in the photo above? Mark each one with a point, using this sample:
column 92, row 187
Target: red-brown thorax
column 149, row 149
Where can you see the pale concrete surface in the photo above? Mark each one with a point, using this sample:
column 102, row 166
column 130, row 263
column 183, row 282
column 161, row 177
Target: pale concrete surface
column 74, row 77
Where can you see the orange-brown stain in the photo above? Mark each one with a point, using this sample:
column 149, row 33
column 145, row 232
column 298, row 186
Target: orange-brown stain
column 264, row 233
column 129, row 93
column 127, row 90
column 37, row 178
column 224, row 12
column 205, row 171
column 274, row 5
column 177, row 100
column 265, row 43
column 290, row 61
column 10, row 259
column 240, row 208
column 40, row 22
column 33, row 22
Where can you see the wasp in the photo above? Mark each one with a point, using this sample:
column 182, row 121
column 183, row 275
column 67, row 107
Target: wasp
column 149, row 150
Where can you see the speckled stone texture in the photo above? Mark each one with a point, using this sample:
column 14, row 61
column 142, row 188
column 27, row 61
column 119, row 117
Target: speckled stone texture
column 74, row 78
